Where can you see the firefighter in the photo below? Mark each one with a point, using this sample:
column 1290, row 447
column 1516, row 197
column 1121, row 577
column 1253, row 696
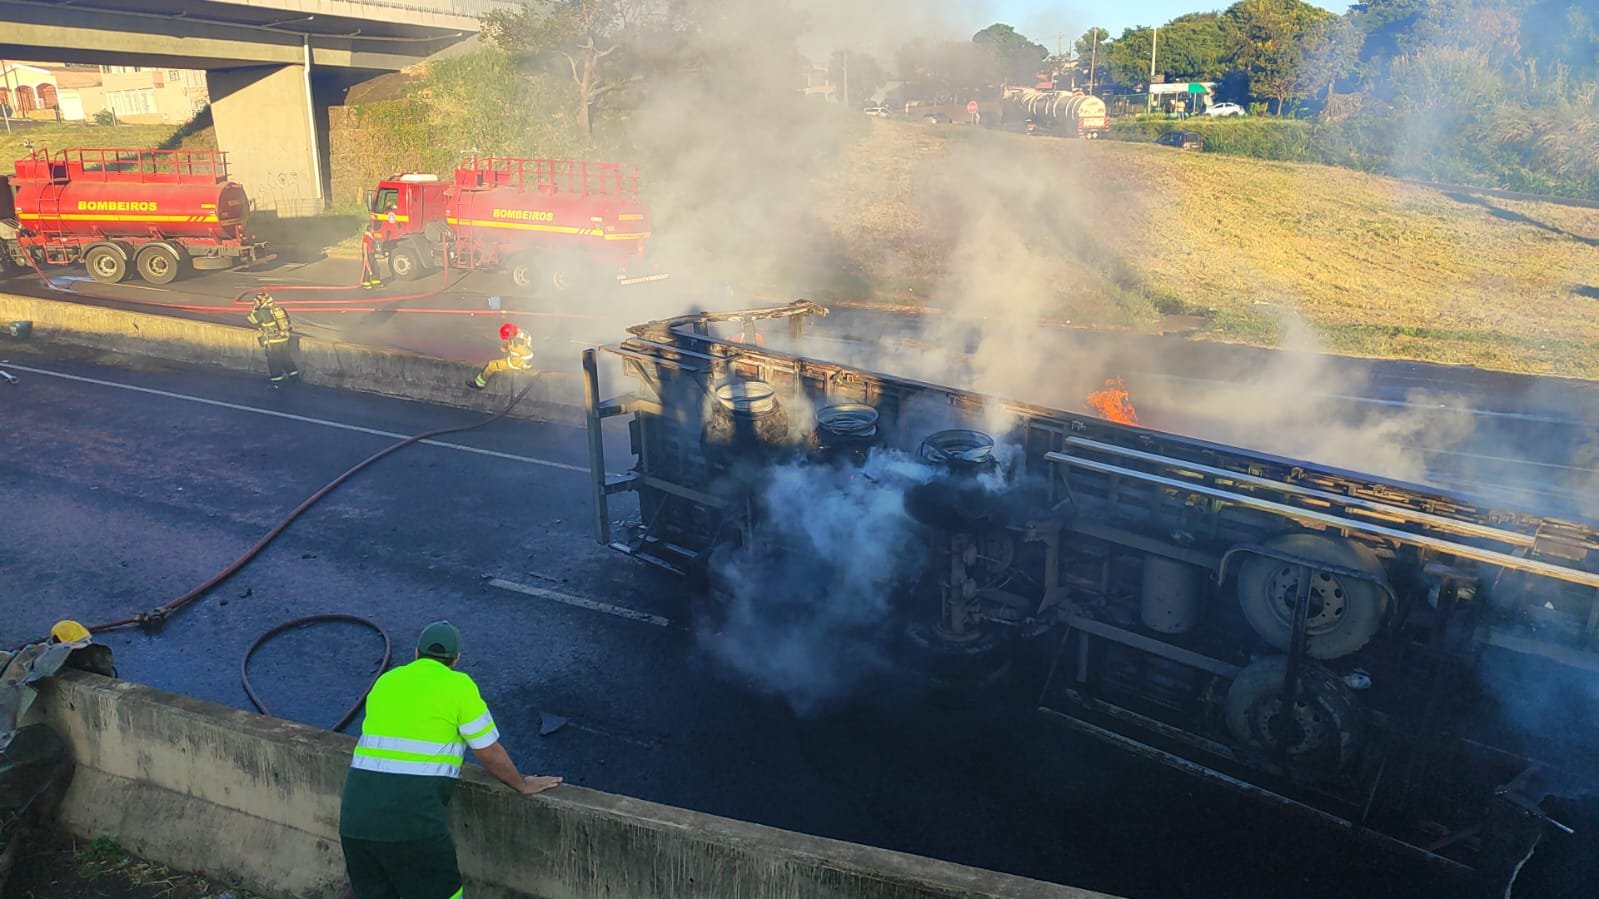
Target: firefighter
column 275, row 335
column 517, row 345
column 394, row 821
column 369, row 261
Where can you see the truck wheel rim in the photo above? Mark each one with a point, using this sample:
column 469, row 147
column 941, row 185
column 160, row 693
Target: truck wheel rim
column 105, row 264
column 1326, row 598
column 159, row 265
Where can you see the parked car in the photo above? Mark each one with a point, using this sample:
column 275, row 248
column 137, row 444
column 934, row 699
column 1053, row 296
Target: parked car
column 1225, row 109
column 935, row 118
column 880, row 111
column 1183, row 140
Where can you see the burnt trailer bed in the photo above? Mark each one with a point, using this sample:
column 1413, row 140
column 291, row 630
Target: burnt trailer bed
column 1434, row 654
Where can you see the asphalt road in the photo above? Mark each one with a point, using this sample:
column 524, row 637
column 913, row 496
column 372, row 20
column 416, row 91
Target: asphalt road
column 127, row 481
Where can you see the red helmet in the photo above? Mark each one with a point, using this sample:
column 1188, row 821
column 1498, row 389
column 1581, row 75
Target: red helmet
column 508, row 330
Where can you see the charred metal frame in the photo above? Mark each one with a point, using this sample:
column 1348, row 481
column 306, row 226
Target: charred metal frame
column 1433, row 539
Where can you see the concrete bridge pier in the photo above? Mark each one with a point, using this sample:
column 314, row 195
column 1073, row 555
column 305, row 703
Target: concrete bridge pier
column 274, row 131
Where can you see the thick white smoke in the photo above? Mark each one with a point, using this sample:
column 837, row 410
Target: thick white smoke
column 807, row 606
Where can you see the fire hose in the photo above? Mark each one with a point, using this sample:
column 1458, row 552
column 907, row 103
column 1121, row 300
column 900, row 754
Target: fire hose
column 155, row 617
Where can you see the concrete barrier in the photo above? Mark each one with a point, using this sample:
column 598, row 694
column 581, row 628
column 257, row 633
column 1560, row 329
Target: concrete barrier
column 207, row 788
column 324, row 362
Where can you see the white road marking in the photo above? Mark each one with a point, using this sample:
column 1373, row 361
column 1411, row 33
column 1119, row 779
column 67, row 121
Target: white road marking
column 582, row 603
column 460, row 447
column 142, row 287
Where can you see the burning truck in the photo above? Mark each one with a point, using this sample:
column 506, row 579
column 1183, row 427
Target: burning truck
column 1406, row 663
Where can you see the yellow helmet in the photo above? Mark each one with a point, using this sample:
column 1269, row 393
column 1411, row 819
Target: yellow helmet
column 68, row 631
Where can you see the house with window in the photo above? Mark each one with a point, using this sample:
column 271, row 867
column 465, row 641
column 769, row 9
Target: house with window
column 74, row 93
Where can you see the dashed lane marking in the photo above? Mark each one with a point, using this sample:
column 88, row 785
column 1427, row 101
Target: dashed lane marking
column 580, row 602
column 443, row 444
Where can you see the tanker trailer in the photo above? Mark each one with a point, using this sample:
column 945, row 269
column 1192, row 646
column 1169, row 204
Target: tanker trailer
column 1070, row 115
column 159, row 212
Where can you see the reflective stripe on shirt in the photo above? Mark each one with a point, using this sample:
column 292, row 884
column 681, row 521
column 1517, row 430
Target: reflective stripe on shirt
column 422, row 748
column 480, row 732
column 403, row 766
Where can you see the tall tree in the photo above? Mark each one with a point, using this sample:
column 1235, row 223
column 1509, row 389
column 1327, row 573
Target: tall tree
column 1268, row 42
column 1092, row 53
column 1016, row 58
column 591, row 36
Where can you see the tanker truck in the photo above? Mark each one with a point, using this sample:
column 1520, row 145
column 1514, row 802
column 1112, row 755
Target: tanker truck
column 155, row 212
column 1067, row 114
column 553, row 225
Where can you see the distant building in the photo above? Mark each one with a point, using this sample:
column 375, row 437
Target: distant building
column 75, row 93
column 140, row 95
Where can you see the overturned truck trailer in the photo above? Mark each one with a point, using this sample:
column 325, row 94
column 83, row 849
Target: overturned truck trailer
column 1400, row 660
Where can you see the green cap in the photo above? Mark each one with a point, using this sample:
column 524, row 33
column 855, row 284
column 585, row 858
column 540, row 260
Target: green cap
column 439, row 640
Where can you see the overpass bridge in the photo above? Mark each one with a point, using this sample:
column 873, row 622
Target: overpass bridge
column 273, row 66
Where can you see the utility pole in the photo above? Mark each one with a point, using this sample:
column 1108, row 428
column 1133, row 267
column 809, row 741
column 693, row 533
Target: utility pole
column 846, row 78
column 1154, row 42
column 1093, row 58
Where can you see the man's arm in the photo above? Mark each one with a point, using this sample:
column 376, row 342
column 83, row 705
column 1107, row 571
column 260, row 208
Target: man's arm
column 498, row 762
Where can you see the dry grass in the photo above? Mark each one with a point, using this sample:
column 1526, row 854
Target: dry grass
column 1373, row 266
column 79, row 134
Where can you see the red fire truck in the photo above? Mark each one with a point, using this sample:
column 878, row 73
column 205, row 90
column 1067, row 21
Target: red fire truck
column 158, row 212
column 551, row 224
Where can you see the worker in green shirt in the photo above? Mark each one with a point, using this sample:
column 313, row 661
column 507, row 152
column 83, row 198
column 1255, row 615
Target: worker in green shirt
column 394, row 819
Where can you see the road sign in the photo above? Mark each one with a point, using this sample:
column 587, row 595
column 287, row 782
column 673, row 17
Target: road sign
column 971, row 107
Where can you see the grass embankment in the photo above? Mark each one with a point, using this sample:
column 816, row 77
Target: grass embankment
column 1372, row 265
column 67, row 135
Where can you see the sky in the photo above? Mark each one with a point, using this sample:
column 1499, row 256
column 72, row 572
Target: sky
column 1043, row 21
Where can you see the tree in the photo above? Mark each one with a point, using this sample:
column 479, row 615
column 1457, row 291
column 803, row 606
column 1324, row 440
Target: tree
column 1331, row 54
column 858, row 74
column 589, row 35
column 1128, row 62
column 1267, row 39
column 1016, row 58
column 1192, row 48
column 1092, row 53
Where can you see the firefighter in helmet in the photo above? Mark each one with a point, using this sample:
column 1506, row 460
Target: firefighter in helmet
column 517, row 345
column 369, row 259
column 275, row 333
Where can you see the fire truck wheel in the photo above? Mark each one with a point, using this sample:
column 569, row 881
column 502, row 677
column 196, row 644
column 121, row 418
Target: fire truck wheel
column 1325, row 729
column 522, row 273
column 1345, row 612
column 158, row 263
column 105, row 265
column 405, row 263
column 566, row 273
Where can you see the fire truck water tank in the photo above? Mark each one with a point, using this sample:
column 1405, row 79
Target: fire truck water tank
column 112, row 208
column 1170, row 598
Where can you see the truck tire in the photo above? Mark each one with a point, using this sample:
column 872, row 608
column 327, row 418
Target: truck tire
column 566, row 273
column 158, row 263
column 1344, row 612
column 106, row 264
column 405, row 263
column 1326, row 728
column 522, row 272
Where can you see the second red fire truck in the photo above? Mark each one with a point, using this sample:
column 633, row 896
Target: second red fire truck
column 552, row 225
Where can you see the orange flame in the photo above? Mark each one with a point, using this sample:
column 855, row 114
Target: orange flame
column 1112, row 402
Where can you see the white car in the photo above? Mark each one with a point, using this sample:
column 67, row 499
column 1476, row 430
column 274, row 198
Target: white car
column 879, row 111
column 1225, row 109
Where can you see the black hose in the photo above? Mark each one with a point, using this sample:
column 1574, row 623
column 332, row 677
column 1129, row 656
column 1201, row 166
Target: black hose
column 162, row 612
column 244, row 663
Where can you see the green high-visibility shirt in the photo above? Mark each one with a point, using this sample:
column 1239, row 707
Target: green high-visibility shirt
column 420, row 719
